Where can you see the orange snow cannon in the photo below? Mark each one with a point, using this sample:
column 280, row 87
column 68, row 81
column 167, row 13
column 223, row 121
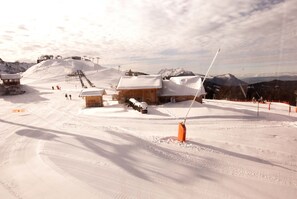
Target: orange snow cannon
column 181, row 132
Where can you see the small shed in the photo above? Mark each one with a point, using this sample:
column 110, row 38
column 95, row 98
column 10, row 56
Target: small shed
column 11, row 79
column 93, row 96
column 143, row 88
column 182, row 88
column 12, row 83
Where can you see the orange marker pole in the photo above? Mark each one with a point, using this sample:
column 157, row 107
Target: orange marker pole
column 181, row 132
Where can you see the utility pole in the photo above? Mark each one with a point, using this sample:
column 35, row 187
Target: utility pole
column 296, row 101
column 98, row 60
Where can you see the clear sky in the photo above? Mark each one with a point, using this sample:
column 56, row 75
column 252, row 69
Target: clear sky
column 255, row 36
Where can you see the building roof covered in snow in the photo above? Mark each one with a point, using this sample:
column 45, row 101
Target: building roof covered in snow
column 10, row 76
column 92, row 92
column 140, row 82
column 182, row 86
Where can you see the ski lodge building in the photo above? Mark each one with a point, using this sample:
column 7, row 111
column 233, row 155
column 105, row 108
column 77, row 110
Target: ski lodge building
column 143, row 88
column 153, row 90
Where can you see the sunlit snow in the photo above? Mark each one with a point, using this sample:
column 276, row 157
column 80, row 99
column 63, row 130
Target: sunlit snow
column 53, row 147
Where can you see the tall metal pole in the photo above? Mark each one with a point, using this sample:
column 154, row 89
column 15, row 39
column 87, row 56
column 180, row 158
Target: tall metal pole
column 296, row 101
column 198, row 90
column 258, row 109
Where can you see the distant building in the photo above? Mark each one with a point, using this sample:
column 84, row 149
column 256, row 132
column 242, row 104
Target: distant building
column 93, row 96
column 44, row 57
column 143, row 88
column 76, row 57
column 182, row 88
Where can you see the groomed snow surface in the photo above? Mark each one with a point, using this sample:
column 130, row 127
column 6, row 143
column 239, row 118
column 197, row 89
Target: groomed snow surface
column 51, row 147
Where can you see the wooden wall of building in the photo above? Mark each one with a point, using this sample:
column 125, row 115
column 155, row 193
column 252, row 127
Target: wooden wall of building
column 142, row 95
column 94, row 101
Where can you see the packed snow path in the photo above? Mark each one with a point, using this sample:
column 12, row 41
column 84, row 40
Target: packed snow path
column 54, row 150
column 51, row 147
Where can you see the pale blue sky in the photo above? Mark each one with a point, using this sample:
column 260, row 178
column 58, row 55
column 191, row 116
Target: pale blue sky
column 255, row 36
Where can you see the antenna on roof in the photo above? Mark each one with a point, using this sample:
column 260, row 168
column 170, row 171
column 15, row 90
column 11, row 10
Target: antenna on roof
column 182, row 125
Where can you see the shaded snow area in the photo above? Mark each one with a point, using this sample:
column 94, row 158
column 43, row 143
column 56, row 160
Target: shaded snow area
column 52, row 147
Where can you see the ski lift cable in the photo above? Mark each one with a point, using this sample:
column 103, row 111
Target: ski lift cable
column 213, row 60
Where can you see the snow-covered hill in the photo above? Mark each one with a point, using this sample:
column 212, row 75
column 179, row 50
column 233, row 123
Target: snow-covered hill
column 227, row 80
column 52, row 147
column 57, row 67
column 57, row 71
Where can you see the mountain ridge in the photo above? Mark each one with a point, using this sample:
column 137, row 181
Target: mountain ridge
column 14, row 67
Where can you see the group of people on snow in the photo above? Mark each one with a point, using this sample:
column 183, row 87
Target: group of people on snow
column 68, row 96
column 58, row 87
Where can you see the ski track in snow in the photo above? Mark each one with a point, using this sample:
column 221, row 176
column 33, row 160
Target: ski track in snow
column 223, row 166
column 57, row 149
column 217, row 161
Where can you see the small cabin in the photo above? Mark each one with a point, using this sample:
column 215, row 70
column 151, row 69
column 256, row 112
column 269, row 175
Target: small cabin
column 178, row 89
column 12, row 84
column 143, row 88
column 93, row 96
column 11, row 79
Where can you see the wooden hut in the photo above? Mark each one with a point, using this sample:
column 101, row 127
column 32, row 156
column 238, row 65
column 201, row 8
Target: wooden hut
column 182, row 88
column 143, row 88
column 93, row 96
column 12, row 83
column 11, row 79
